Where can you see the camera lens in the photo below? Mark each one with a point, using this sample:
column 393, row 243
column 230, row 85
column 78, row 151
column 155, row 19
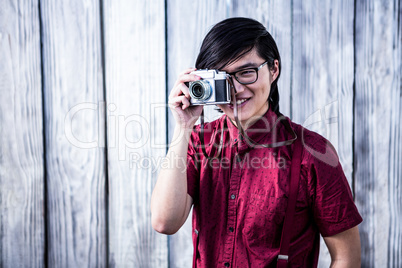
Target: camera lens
column 200, row 90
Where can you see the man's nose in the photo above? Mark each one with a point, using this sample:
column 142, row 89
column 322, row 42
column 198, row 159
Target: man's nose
column 238, row 87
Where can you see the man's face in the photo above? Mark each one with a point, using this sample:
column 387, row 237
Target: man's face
column 252, row 99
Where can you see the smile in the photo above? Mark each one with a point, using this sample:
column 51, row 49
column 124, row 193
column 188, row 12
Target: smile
column 241, row 101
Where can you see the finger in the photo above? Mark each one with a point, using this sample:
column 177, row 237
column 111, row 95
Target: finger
column 179, row 101
column 185, row 78
column 185, row 103
column 188, row 78
column 187, row 71
column 176, row 91
column 180, row 90
column 184, row 90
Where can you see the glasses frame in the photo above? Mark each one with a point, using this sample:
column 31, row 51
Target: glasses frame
column 256, row 69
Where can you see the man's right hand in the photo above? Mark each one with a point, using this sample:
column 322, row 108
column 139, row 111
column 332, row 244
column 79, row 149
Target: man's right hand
column 179, row 101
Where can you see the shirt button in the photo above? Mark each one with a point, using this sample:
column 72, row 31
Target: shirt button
column 231, row 229
column 232, row 196
column 235, row 140
column 227, row 264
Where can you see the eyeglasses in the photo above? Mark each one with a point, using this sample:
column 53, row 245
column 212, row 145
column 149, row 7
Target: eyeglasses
column 247, row 76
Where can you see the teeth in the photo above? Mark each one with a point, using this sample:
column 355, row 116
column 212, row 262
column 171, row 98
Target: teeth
column 240, row 101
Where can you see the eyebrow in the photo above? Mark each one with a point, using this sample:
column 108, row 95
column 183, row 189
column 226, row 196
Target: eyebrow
column 244, row 66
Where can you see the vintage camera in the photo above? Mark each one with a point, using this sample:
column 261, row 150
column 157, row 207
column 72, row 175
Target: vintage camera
column 213, row 88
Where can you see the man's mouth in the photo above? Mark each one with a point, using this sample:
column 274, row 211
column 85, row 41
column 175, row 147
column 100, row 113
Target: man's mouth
column 240, row 102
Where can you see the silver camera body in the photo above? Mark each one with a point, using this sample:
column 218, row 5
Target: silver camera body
column 213, row 88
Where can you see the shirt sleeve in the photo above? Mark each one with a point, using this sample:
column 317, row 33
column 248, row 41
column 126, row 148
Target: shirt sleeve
column 193, row 165
column 332, row 202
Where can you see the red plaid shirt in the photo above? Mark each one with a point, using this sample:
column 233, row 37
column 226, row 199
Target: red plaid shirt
column 240, row 198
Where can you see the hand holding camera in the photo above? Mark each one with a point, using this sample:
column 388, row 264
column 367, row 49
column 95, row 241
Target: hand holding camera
column 195, row 88
column 179, row 100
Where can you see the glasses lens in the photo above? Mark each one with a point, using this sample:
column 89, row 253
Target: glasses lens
column 247, row 76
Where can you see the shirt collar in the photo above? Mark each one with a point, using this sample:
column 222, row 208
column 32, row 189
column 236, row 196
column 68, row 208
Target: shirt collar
column 258, row 130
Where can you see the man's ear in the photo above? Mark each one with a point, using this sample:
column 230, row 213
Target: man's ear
column 275, row 70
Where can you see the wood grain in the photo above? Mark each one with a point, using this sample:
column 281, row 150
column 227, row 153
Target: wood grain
column 22, row 222
column 135, row 85
column 75, row 157
column 378, row 149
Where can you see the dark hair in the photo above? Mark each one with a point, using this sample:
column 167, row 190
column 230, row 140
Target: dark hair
column 232, row 38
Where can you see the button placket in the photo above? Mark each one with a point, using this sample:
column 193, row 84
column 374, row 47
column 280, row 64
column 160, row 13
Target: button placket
column 234, row 183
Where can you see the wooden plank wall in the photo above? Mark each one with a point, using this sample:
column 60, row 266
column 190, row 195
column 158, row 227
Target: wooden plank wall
column 84, row 126
column 22, row 222
column 377, row 116
column 136, row 117
column 75, row 157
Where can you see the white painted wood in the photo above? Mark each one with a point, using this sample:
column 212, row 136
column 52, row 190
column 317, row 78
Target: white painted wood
column 136, row 95
column 378, row 148
column 73, row 94
column 22, row 223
